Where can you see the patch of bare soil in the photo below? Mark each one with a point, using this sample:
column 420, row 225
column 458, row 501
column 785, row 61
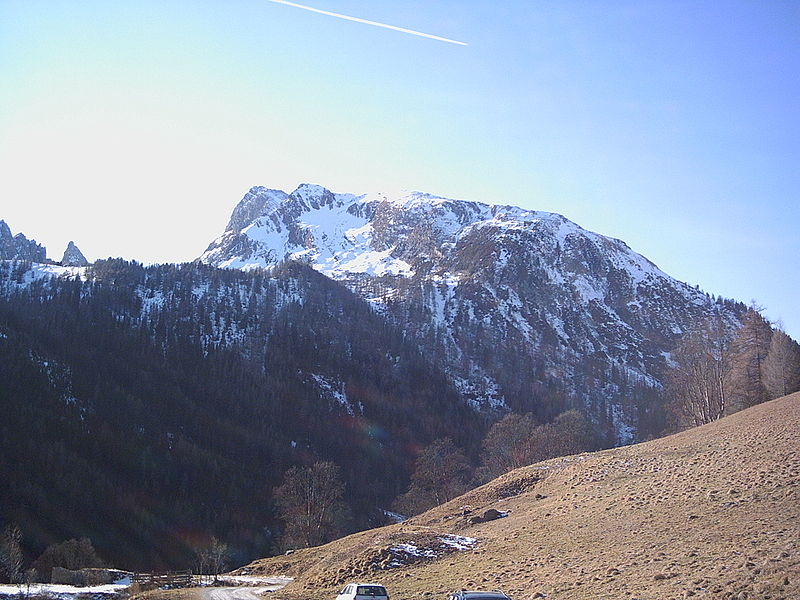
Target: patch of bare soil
column 712, row 512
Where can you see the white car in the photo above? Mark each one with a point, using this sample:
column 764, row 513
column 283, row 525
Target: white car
column 363, row 591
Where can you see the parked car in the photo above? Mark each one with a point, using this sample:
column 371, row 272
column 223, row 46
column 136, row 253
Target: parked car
column 363, row 591
column 477, row 595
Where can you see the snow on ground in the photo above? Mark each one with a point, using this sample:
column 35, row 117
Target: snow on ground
column 275, row 582
column 625, row 432
column 37, row 272
column 459, row 542
column 244, row 587
column 63, row 592
column 333, row 390
column 410, row 552
column 414, row 550
column 240, row 587
column 480, row 390
column 393, row 516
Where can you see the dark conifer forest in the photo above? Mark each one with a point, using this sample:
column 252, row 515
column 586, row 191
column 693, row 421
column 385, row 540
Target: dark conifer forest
column 149, row 409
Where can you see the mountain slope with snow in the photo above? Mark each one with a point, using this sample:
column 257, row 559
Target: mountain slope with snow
column 517, row 303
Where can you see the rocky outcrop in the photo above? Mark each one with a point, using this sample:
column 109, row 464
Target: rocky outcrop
column 18, row 247
column 73, row 257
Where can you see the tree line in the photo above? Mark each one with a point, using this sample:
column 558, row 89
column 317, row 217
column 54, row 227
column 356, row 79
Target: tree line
column 721, row 368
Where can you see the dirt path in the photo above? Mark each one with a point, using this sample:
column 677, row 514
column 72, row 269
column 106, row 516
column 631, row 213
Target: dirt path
column 235, row 593
column 243, row 591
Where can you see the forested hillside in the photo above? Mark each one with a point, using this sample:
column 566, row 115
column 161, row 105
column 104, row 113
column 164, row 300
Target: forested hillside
column 160, row 411
column 150, row 408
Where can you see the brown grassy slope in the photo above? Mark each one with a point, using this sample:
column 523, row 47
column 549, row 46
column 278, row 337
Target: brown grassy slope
column 708, row 513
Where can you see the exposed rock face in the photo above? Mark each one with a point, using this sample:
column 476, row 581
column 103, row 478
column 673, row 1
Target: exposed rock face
column 73, row 257
column 18, row 247
column 513, row 300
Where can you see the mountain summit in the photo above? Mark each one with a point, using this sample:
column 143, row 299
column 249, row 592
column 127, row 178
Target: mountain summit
column 18, row 247
column 377, row 234
column 517, row 303
column 73, row 257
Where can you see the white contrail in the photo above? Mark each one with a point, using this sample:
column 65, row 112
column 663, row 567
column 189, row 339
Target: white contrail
column 357, row 20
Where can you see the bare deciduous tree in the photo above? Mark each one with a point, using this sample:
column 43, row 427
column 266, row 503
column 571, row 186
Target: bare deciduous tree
column 507, row 445
column 70, row 554
column 212, row 559
column 310, row 504
column 11, row 552
column 28, row 578
column 201, row 561
column 516, row 441
column 441, row 472
column 218, row 554
column 782, row 365
column 749, row 348
column 699, row 383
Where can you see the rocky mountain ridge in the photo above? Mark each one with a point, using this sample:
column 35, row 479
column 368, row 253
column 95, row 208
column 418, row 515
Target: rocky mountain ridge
column 19, row 247
column 512, row 300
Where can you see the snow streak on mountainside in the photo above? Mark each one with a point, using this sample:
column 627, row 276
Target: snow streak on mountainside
column 512, row 299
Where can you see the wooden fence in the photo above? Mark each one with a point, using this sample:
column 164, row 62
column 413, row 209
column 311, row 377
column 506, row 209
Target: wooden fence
column 172, row 579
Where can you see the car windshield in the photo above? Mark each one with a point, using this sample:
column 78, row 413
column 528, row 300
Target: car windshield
column 371, row 590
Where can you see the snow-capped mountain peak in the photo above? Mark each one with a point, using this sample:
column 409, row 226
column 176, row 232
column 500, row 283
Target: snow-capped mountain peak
column 257, row 202
column 381, row 234
column 529, row 288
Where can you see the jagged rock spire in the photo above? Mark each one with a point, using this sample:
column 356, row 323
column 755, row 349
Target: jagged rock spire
column 73, row 257
column 18, row 247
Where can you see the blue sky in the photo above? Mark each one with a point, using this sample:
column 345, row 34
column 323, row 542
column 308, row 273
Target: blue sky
column 134, row 128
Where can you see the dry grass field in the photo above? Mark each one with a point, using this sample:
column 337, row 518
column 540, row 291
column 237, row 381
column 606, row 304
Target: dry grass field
column 712, row 512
